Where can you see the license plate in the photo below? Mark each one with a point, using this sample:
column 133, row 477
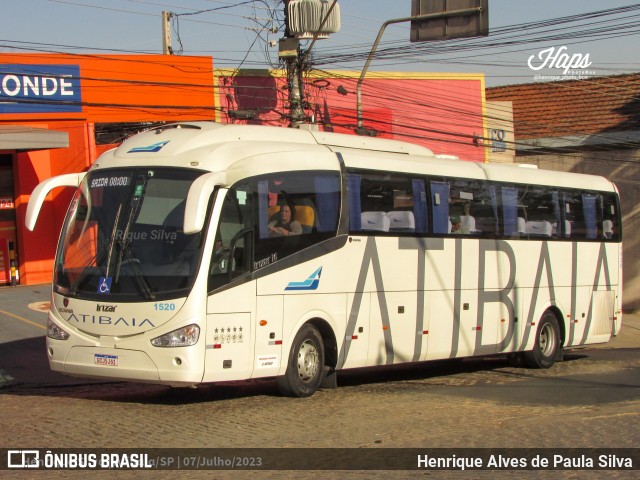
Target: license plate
column 108, row 360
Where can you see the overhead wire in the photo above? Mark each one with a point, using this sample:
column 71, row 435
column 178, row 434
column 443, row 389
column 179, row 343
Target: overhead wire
column 611, row 30
column 472, row 47
column 532, row 32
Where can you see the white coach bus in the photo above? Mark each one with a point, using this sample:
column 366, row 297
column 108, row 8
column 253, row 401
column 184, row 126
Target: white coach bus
column 201, row 252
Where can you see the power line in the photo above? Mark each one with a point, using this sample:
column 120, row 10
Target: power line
column 575, row 28
column 506, row 37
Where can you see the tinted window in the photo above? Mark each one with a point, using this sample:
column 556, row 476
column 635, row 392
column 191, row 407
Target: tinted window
column 294, row 211
column 387, row 203
column 539, row 213
column 384, row 203
column 232, row 247
column 271, row 217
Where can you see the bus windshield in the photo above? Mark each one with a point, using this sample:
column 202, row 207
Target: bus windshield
column 123, row 237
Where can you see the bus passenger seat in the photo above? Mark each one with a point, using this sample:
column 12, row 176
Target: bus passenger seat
column 401, row 221
column 540, row 228
column 607, row 228
column 306, row 216
column 378, row 221
column 522, row 226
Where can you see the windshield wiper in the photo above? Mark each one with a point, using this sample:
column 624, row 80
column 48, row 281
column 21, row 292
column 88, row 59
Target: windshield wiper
column 124, row 245
column 112, row 240
column 138, row 273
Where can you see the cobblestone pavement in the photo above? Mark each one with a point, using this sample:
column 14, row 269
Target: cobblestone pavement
column 590, row 400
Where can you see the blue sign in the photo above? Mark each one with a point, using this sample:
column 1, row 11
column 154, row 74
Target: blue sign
column 40, row 88
column 104, row 285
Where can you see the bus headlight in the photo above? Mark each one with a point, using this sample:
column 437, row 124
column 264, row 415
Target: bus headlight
column 183, row 337
column 55, row 332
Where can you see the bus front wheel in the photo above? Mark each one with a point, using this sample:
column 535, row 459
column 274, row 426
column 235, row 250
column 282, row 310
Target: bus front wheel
column 547, row 343
column 305, row 364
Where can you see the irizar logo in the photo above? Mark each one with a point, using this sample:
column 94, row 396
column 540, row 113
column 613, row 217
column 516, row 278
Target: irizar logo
column 311, row 283
column 105, row 308
column 156, row 147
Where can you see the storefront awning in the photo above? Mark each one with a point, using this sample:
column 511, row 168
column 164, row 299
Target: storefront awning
column 17, row 137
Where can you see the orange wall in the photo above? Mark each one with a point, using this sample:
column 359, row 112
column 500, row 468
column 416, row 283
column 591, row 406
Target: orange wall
column 132, row 88
column 36, row 249
column 117, row 88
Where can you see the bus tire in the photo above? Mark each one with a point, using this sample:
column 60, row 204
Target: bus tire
column 547, row 344
column 305, row 365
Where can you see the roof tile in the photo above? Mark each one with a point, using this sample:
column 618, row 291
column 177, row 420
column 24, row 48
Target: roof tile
column 574, row 107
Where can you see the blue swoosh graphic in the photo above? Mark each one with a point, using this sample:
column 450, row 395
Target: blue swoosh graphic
column 311, row 283
column 156, row 147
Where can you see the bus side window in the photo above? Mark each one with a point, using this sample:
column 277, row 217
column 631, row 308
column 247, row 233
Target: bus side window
column 583, row 212
column 540, row 215
column 232, row 246
column 610, row 222
column 473, row 208
column 293, row 211
column 387, row 204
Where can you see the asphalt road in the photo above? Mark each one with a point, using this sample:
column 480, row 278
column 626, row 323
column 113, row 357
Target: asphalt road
column 591, row 400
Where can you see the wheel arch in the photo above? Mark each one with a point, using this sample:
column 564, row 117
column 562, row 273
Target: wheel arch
column 328, row 339
column 555, row 310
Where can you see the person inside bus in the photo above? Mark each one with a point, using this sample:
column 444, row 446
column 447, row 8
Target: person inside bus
column 467, row 220
column 285, row 223
column 220, row 257
column 457, row 228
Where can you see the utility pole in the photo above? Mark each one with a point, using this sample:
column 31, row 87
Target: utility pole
column 296, row 91
column 290, row 52
column 167, row 49
column 304, row 25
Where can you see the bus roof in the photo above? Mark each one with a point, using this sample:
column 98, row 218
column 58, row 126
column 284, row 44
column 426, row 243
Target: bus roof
column 215, row 147
column 189, row 136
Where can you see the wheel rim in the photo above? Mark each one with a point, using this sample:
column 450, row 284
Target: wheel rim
column 547, row 340
column 308, row 361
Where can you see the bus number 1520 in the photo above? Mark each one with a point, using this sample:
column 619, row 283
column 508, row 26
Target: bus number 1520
column 164, row 306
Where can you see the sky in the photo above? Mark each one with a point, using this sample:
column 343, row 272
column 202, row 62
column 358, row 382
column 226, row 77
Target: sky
column 238, row 35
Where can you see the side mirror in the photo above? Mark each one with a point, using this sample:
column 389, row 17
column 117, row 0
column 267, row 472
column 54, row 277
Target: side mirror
column 198, row 199
column 40, row 193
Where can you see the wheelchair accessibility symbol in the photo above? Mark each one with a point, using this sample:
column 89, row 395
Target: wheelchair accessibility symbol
column 104, row 285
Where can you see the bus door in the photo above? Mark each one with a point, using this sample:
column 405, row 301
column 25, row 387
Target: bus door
column 230, row 329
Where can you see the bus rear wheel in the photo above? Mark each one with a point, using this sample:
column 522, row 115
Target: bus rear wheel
column 305, row 365
column 547, row 344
